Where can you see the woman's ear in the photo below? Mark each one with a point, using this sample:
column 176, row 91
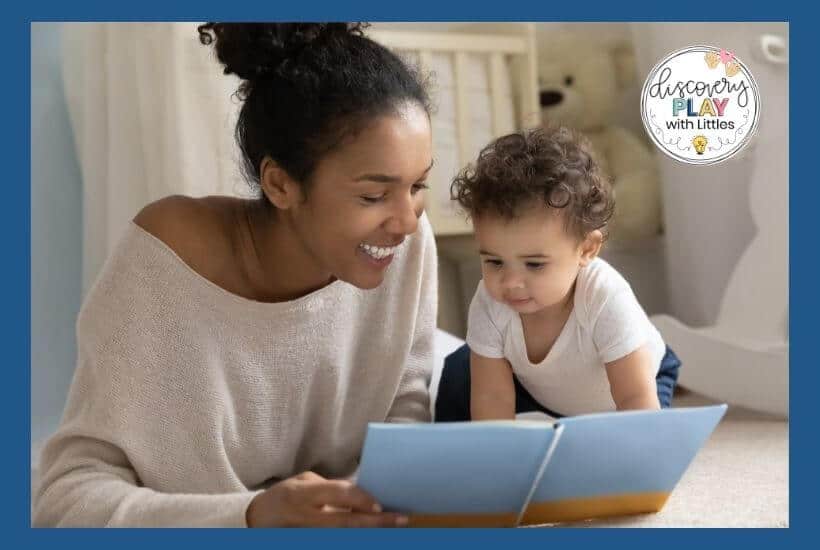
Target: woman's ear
column 277, row 185
column 591, row 246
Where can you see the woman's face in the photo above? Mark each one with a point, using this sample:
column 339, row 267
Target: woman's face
column 366, row 197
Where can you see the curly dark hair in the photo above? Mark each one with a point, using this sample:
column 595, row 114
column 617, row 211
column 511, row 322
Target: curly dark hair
column 552, row 166
column 306, row 86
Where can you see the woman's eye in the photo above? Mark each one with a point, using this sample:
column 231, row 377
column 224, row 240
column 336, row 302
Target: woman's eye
column 419, row 187
column 535, row 266
column 372, row 199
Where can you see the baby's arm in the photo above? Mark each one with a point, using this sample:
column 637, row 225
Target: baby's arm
column 492, row 392
column 632, row 381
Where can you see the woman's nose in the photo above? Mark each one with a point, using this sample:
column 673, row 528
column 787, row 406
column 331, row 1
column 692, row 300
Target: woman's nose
column 405, row 218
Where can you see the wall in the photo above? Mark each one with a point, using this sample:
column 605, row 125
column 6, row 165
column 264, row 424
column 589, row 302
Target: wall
column 706, row 209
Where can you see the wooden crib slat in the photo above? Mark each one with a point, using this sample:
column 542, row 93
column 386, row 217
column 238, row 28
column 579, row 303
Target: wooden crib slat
column 462, row 108
column 426, row 59
column 530, row 108
column 497, row 77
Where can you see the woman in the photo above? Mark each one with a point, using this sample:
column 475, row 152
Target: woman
column 232, row 351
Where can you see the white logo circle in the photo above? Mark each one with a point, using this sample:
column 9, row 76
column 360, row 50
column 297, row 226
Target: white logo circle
column 700, row 105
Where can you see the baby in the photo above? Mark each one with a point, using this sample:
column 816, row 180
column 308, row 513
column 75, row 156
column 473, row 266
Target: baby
column 552, row 327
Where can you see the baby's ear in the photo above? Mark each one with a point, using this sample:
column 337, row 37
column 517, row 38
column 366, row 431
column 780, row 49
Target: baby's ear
column 623, row 56
column 591, row 246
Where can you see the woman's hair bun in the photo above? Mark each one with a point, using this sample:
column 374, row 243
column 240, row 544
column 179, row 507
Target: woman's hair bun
column 252, row 50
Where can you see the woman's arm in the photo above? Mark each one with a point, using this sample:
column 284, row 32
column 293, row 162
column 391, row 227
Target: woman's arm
column 88, row 482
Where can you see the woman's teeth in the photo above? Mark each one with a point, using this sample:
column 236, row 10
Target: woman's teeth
column 378, row 252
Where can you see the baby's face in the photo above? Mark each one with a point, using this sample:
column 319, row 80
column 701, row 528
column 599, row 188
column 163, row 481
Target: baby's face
column 531, row 262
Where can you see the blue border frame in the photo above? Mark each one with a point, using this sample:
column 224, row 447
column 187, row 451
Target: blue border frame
column 803, row 206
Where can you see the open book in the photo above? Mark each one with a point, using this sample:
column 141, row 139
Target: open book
column 510, row 473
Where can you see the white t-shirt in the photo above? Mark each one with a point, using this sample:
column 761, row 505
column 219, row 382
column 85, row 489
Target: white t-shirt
column 606, row 324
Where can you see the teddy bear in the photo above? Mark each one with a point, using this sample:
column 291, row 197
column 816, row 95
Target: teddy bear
column 579, row 86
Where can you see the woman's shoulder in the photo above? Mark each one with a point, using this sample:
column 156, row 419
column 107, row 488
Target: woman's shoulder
column 197, row 230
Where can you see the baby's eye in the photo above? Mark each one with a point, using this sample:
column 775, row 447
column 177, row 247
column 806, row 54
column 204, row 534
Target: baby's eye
column 535, row 266
column 494, row 263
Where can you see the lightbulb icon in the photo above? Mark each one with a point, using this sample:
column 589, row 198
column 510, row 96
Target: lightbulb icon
column 700, row 144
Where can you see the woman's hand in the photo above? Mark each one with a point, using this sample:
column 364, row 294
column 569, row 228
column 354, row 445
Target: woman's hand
column 309, row 500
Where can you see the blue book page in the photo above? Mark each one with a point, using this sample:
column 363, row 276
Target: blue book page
column 624, row 454
column 453, row 468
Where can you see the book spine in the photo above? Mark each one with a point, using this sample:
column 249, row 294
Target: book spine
column 559, row 429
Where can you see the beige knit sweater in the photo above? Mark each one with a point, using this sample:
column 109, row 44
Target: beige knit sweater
column 188, row 399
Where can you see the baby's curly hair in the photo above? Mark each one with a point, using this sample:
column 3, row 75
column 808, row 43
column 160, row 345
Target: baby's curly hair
column 552, row 166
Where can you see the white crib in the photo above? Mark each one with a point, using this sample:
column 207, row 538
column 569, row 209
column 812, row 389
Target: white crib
column 484, row 85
